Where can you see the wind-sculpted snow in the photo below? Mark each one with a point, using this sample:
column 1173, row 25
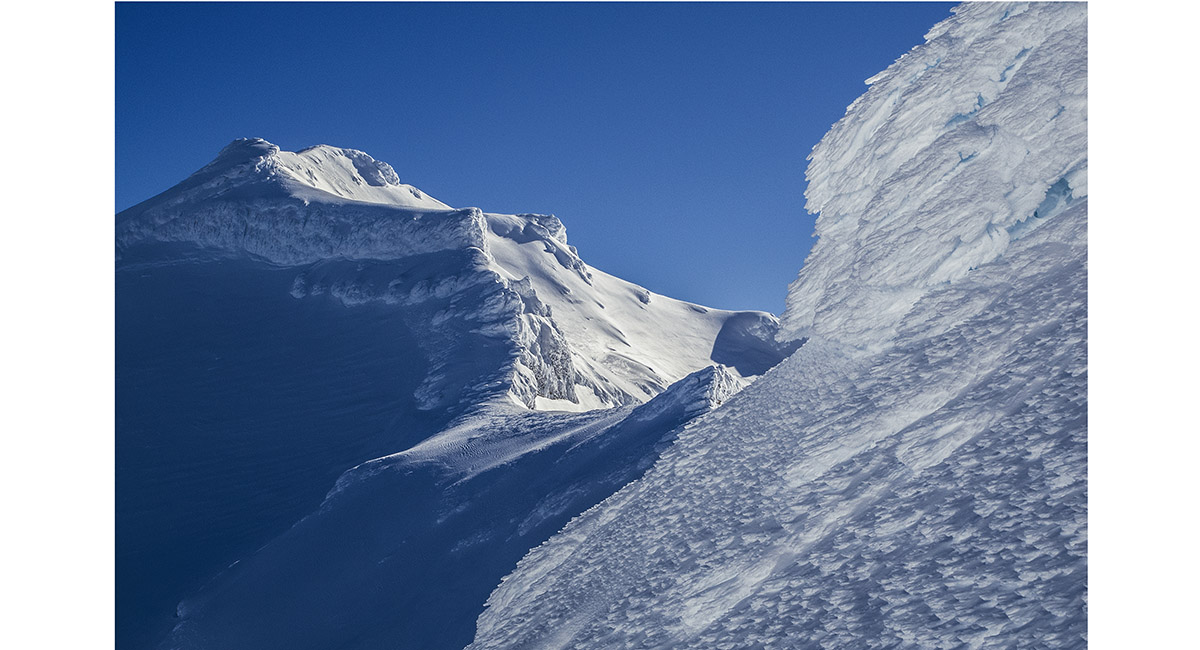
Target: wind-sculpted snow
column 914, row 476
column 747, row 341
column 406, row 548
column 947, row 156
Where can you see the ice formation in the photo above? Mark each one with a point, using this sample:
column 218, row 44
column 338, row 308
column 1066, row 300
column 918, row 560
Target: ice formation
column 914, row 476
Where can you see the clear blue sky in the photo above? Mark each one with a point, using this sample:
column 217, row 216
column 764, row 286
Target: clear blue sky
column 669, row 138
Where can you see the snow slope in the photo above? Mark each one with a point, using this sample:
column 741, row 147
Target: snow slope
column 284, row 317
column 405, row 549
column 914, row 476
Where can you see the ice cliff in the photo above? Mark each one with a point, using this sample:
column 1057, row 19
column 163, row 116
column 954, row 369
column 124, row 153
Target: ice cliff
column 914, row 476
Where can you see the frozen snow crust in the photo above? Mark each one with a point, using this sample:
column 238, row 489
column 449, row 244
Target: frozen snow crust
column 574, row 338
column 914, row 476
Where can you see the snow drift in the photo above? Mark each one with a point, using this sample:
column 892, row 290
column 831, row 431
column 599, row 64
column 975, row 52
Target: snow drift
column 915, row 475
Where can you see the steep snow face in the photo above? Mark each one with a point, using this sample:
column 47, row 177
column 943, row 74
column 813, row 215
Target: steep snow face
column 571, row 337
column 405, row 549
column 963, row 145
column 915, row 474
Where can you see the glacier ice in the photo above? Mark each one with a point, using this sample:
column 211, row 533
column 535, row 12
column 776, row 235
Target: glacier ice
column 914, row 476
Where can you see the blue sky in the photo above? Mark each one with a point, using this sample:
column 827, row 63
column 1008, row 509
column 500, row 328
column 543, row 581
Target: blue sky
column 670, row 138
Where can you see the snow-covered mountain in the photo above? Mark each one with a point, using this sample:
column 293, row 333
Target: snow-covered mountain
column 915, row 476
column 576, row 338
column 284, row 317
column 346, row 411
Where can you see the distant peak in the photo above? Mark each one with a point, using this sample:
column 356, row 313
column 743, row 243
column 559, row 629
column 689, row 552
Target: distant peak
column 239, row 153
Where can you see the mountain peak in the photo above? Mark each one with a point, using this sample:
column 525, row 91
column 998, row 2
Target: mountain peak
column 373, row 172
column 348, row 174
column 567, row 337
column 254, row 167
column 345, row 174
column 245, row 149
